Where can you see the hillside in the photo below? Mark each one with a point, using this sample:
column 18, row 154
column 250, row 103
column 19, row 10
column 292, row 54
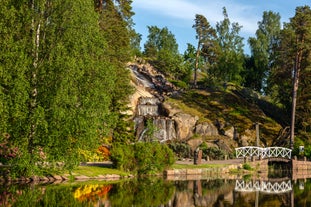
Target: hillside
column 224, row 117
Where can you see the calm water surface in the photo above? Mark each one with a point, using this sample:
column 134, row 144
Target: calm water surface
column 158, row 192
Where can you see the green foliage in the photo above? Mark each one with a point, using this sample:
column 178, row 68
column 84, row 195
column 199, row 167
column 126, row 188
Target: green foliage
column 207, row 47
column 150, row 130
column 290, row 73
column 180, row 149
column 258, row 65
column 7, row 150
column 231, row 59
column 212, row 152
column 246, row 166
column 307, row 151
column 180, row 84
column 298, row 142
column 123, row 157
column 62, row 84
column 142, row 157
column 161, row 47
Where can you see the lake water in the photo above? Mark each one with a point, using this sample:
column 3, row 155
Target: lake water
column 158, row 192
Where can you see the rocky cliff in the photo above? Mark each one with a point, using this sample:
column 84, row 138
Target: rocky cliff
column 222, row 117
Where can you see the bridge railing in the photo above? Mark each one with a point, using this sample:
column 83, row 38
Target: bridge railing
column 263, row 186
column 267, row 152
column 277, row 152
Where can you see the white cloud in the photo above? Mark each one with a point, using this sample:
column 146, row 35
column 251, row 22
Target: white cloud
column 185, row 10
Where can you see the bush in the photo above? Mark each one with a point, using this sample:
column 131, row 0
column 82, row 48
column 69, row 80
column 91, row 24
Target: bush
column 180, row 84
column 247, row 166
column 212, row 152
column 142, row 157
column 180, row 149
column 122, row 157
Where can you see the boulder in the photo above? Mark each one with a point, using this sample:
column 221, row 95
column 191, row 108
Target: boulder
column 185, row 125
column 170, row 110
column 207, row 129
column 230, row 132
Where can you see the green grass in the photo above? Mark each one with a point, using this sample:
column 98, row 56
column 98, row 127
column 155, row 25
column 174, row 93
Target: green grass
column 185, row 166
column 226, row 107
column 93, row 171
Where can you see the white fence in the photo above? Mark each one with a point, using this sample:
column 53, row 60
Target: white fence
column 263, row 186
column 267, row 152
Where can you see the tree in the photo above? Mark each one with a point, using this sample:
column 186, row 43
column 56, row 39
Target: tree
column 57, row 84
column 14, row 84
column 206, row 36
column 302, row 24
column 116, row 26
column 162, row 48
column 231, row 57
column 267, row 36
column 291, row 72
column 135, row 43
column 189, row 60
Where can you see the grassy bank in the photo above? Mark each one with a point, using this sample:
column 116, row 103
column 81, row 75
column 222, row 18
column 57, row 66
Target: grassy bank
column 94, row 171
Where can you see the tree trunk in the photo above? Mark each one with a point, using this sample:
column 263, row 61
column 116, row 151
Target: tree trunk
column 36, row 28
column 196, row 65
column 295, row 90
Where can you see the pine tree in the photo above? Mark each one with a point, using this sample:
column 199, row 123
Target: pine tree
column 290, row 75
column 206, row 47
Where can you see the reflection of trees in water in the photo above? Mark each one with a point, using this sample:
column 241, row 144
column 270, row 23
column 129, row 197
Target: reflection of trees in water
column 153, row 192
column 141, row 192
column 247, row 199
column 303, row 193
column 203, row 192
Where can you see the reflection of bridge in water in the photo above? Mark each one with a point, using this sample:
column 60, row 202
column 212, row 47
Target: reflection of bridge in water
column 280, row 187
column 273, row 187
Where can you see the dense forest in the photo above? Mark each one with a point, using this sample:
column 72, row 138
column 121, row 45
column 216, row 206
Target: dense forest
column 64, row 82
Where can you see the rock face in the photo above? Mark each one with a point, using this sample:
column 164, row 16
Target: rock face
column 149, row 108
column 206, row 129
column 185, row 125
column 169, row 122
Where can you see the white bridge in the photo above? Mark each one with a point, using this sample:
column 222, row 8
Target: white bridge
column 268, row 152
column 263, row 186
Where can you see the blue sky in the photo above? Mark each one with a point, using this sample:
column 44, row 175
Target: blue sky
column 178, row 15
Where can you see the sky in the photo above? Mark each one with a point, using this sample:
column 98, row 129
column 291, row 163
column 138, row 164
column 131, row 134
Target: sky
column 178, row 15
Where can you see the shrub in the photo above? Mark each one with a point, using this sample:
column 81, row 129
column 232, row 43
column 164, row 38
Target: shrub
column 142, row 157
column 122, row 157
column 246, row 166
column 180, row 149
column 212, row 152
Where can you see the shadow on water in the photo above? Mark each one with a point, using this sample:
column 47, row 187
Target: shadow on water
column 159, row 192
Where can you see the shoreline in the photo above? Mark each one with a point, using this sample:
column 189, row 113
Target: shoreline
column 217, row 168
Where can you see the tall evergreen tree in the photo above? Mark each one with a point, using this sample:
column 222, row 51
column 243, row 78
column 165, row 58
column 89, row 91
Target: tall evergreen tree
column 206, row 36
column 231, row 58
column 267, row 36
column 291, row 72
column 302, row 24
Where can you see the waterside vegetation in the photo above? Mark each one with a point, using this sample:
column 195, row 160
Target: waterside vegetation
column 65, row 85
